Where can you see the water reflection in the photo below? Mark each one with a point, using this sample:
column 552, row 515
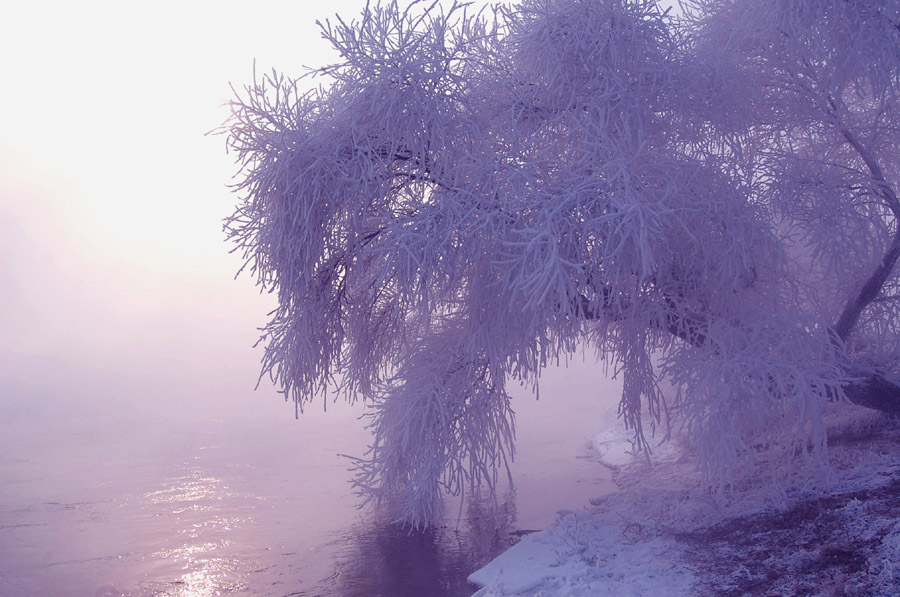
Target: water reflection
column 214, row 577
column 206, row 516
column 384, row 559
column 189, row 491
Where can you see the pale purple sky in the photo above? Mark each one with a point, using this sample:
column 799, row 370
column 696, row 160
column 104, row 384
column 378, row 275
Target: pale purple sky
column 111, row 197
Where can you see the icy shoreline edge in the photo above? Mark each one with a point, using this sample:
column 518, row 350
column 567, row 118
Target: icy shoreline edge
column 834, row 531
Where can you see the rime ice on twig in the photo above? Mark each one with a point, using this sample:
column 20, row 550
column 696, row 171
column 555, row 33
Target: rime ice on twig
column 476, row 194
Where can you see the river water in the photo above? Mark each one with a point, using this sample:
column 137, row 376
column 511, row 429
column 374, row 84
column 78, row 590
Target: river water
column 161, row 487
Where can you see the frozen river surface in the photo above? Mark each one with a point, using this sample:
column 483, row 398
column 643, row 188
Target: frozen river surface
column 229, row 496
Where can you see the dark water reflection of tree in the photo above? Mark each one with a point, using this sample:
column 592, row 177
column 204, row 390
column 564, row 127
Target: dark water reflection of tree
column 384, row 559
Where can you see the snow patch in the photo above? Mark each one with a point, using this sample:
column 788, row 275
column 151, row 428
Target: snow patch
column 614, row 447
column 583, row 554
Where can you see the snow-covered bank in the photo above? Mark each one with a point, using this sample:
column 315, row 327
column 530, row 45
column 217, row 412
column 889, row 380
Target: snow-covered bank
column 829, row 531
column 586, row 554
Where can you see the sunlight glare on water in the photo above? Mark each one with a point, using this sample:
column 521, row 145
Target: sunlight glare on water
column 193, row 499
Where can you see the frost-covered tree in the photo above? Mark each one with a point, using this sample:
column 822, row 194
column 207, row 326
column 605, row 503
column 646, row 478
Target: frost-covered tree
column 709, row 200
column 806, row 106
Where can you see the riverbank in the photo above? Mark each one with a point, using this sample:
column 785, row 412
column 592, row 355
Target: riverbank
column 825, row 531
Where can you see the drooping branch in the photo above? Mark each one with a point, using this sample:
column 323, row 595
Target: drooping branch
column 868, row 387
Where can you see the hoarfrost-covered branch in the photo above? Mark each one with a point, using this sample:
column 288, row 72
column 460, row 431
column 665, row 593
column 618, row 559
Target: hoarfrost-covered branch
column 709, row 201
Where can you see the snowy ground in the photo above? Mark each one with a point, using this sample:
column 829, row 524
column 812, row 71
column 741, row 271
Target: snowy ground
column 827, row 531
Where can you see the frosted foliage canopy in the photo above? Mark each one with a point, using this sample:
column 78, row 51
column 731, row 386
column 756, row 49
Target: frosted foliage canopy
column 707, row 200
